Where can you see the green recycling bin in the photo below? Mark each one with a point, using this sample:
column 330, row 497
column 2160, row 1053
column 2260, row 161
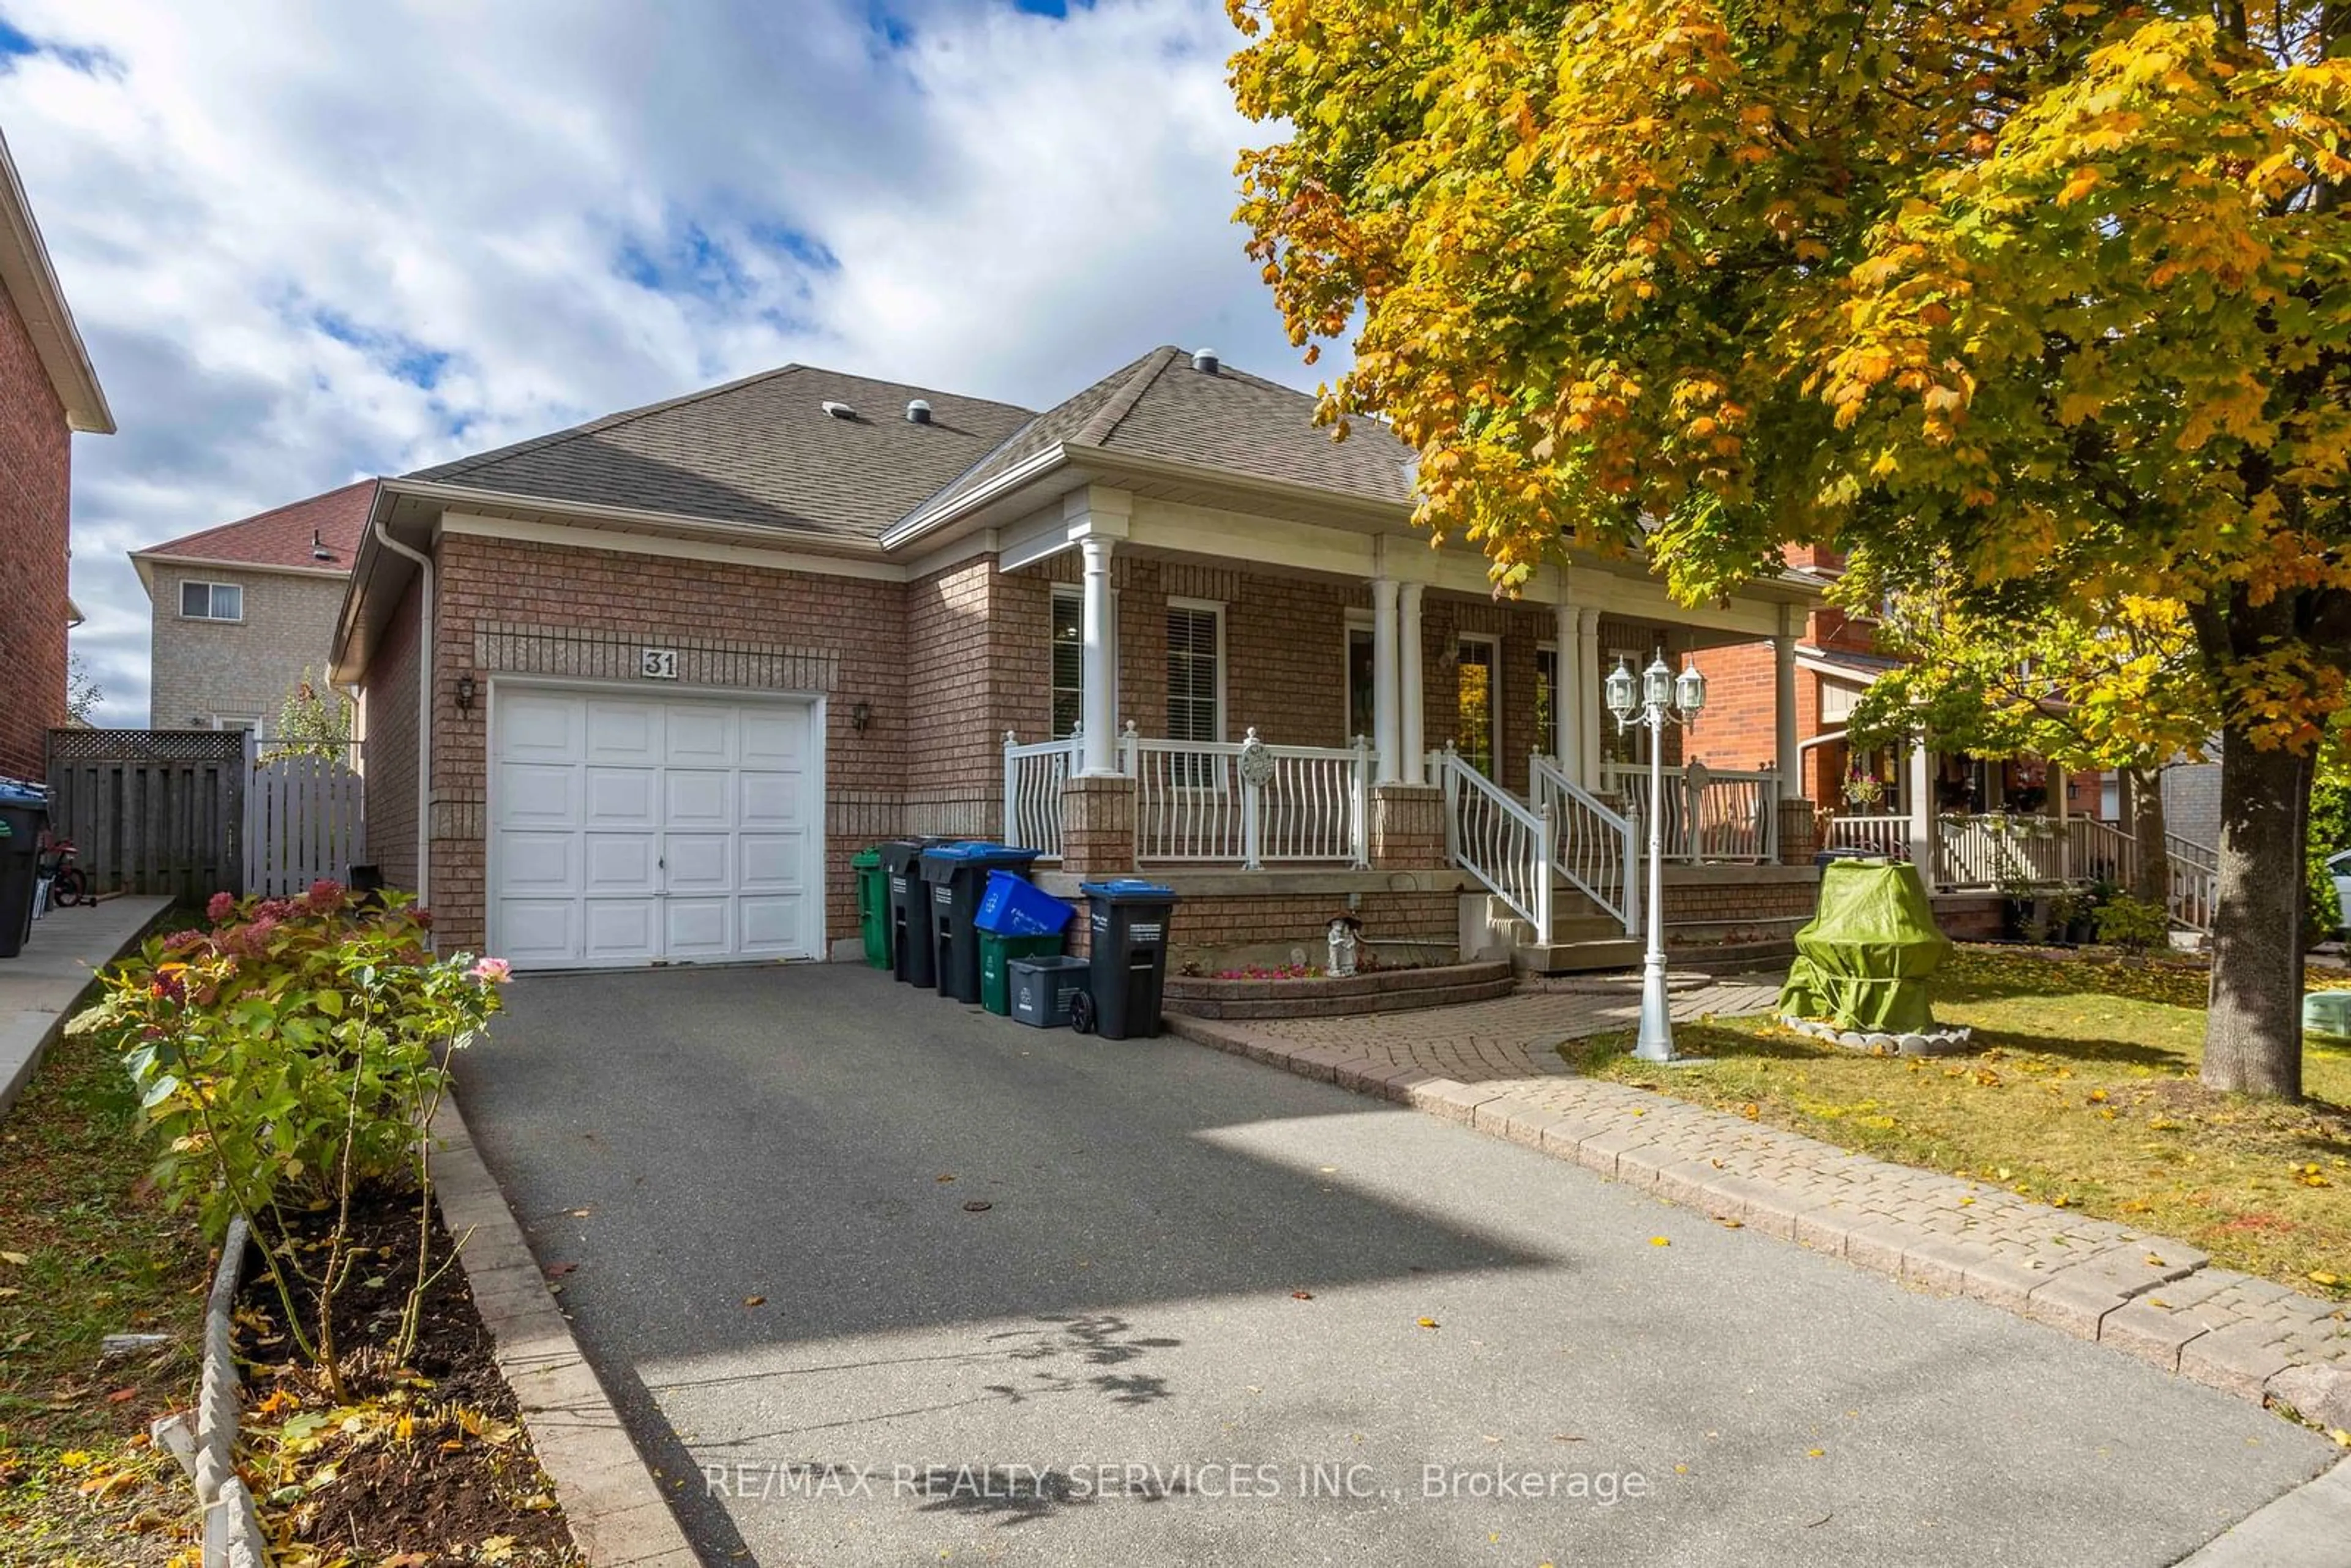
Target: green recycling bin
column 873, row 905
column 997, row 957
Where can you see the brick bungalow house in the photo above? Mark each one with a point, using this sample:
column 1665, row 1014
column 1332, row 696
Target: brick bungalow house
column 241, row 612
column 634, row 692
column 48, row 390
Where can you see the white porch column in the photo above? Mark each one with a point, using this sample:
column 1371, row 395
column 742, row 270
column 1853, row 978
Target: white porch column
column 1101, row 667
column 1790, row 757
column 1587, row 643
column 1922, row 811
column 1386, row 728
column 1414, row 682
column 1569, row 677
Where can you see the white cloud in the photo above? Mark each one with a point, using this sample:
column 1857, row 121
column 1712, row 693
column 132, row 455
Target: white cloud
column 307, row 243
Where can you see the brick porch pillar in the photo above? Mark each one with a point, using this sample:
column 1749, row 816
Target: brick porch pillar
column 1800, row 830
column 1098, row 825
column 1407, row 826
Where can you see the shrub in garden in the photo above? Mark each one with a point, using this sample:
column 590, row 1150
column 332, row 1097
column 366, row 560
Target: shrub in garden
column 285, row 1057
column 2134, row 923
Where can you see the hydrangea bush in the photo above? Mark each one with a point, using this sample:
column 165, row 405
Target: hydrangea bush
column 291, row 1053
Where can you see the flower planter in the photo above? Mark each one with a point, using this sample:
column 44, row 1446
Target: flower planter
column 1322, row 995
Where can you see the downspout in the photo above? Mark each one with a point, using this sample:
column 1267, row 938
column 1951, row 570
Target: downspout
column 424, row 710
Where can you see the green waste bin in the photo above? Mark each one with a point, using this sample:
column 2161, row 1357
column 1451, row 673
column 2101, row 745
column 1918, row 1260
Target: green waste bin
column 997, row 957
column 873, row 905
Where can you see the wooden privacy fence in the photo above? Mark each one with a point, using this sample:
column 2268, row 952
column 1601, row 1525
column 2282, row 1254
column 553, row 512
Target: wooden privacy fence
column 302, row 816
column 154, row 811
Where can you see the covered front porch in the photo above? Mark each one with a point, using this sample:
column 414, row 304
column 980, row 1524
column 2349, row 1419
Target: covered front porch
column 1239, row 695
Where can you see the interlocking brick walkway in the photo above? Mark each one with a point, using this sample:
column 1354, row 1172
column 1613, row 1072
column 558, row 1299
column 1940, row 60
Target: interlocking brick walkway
column 1494, row 1066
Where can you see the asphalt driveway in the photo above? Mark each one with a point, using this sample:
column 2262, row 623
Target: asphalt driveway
column 1029, row 1298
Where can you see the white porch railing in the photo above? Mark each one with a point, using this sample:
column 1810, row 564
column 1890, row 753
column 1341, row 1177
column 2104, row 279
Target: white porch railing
column 1498, row 840
column 1594, row 847
column 1877, row 833
column 1033, row 777
column 1248, row 803
column 2004, row 849
column 1710, row 814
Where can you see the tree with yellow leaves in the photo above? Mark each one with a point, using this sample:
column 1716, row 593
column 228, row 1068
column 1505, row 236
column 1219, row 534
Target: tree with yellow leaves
column 1981, row 292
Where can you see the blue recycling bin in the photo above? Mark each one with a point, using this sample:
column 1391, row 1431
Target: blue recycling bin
column 957, row 876
column 1015, row 906
column 24, row 813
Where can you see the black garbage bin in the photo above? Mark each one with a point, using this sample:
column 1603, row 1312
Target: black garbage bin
column 24, row 813
column 957, row 877
column 910, row 910
column 1126, row 927
column 1843, row 852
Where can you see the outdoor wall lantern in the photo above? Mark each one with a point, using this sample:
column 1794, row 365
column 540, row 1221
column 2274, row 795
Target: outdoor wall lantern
column 860, row 717
column 465, row 689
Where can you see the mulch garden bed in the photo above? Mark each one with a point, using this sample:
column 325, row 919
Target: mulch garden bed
column 416, row 1464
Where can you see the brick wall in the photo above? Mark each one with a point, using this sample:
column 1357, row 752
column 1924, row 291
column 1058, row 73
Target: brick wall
column 1739, row 727
column 1203, row 926
column 200, row 668
column 35, row 483
column 388, row 752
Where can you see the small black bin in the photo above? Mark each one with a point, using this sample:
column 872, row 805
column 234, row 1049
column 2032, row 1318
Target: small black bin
column 910, row 910
column 25, row 812
column 1126, row 928
column 956, row 876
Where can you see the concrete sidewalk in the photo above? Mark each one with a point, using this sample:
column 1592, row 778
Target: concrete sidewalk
column 1493, row 1066
column 39, row 985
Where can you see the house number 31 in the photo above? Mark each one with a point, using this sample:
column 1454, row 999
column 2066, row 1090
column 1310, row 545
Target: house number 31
column 659, row 664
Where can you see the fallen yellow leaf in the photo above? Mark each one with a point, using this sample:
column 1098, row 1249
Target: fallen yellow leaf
column 2320, row 1277
column 1814, row 1453
column 1425, row 1322
column 18, row 1258
column 1659, row 1241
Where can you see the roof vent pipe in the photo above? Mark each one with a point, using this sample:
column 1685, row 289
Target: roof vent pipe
column 840, row 410
column 1204, row 361
column 918, row 413
column 319, row 550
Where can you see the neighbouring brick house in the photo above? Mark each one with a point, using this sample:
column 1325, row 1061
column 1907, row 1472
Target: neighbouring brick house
column 1816, row 679
column 48, row 390
column 243, row 611
column 634, row 692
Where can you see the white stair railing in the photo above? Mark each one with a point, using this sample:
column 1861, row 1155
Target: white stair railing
column 1596, row 849
column 1033, row 777
column 1878, row 833
column 2195, row 881
column 1498, row 840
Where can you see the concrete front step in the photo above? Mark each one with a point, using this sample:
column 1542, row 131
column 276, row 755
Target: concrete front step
column 1576, row 958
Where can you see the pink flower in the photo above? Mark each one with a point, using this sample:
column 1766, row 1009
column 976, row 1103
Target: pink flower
column 220, row 906
column 492, row 971
column 325, row 893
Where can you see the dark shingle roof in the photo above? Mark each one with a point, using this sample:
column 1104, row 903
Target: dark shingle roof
column 761, row 451
column 283, row 536
column 1231, row 421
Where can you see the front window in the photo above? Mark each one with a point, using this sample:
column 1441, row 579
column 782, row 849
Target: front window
column 1359, row 665
column 1479, row 701
column 1069, row 662
column 1194, row 655
column 212, row 602
column 1546, row 681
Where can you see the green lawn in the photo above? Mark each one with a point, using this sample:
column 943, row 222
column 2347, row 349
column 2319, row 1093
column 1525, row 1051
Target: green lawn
column 2083, row 1095
column 85, row 1251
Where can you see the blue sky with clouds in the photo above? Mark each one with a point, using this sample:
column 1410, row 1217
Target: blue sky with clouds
column 308, row 243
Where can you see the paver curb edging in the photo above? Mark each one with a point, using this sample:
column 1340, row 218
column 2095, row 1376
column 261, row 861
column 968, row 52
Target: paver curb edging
column 615, row 1510
column 2151, row 1296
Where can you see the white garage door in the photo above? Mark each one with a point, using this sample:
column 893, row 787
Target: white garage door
column 630, row 831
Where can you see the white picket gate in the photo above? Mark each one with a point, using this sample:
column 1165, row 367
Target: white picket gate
column 304, row 816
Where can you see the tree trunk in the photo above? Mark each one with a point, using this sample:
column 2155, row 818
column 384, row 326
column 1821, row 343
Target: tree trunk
column 2143, row 792
column 2252, row 1035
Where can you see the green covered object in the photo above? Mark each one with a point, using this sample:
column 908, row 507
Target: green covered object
column 1863, row 961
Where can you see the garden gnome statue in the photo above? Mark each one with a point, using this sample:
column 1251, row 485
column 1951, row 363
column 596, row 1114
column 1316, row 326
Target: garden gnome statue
column 1343, row 945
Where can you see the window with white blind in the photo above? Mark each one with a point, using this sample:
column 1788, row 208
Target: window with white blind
column 1196, row 672
column 1069, row 661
